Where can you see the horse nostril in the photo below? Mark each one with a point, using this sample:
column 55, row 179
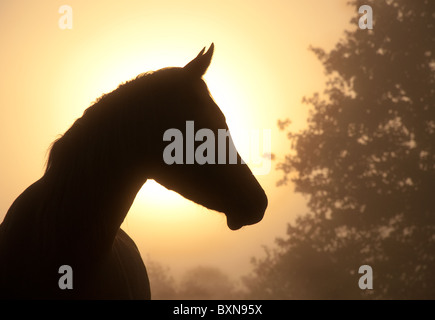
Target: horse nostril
column 265, row 201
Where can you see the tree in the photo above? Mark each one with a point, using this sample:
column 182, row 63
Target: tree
column 197, row 283
column 367, row 163
column 163, row 286
column 207, row 283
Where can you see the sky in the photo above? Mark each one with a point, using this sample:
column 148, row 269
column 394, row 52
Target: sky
column 260, row 71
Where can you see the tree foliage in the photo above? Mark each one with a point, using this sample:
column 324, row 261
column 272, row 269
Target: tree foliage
column 197, row 283
column 207, row 283
column 366, row 162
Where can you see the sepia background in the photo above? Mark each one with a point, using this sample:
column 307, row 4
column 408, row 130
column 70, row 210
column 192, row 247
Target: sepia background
column 353, row 184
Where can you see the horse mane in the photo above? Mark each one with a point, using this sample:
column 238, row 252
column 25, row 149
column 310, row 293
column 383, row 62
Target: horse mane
column 92, row 135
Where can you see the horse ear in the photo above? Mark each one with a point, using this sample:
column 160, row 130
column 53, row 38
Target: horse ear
column 199, row 65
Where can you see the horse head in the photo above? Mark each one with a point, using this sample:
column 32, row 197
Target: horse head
column 194, row 153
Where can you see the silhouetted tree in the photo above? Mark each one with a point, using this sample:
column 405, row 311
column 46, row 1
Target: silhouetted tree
column 207, row 283
column 367, row 163
column 197, row 283
column 163, row 286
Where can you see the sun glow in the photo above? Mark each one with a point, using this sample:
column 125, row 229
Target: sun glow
column 153, row 193
column 260, row 70
column 105, row 72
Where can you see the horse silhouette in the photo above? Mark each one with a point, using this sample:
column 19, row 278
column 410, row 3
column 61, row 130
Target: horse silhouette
column 72, row 214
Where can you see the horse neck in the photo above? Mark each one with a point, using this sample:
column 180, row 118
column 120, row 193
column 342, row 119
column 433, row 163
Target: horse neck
column 90, row 194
